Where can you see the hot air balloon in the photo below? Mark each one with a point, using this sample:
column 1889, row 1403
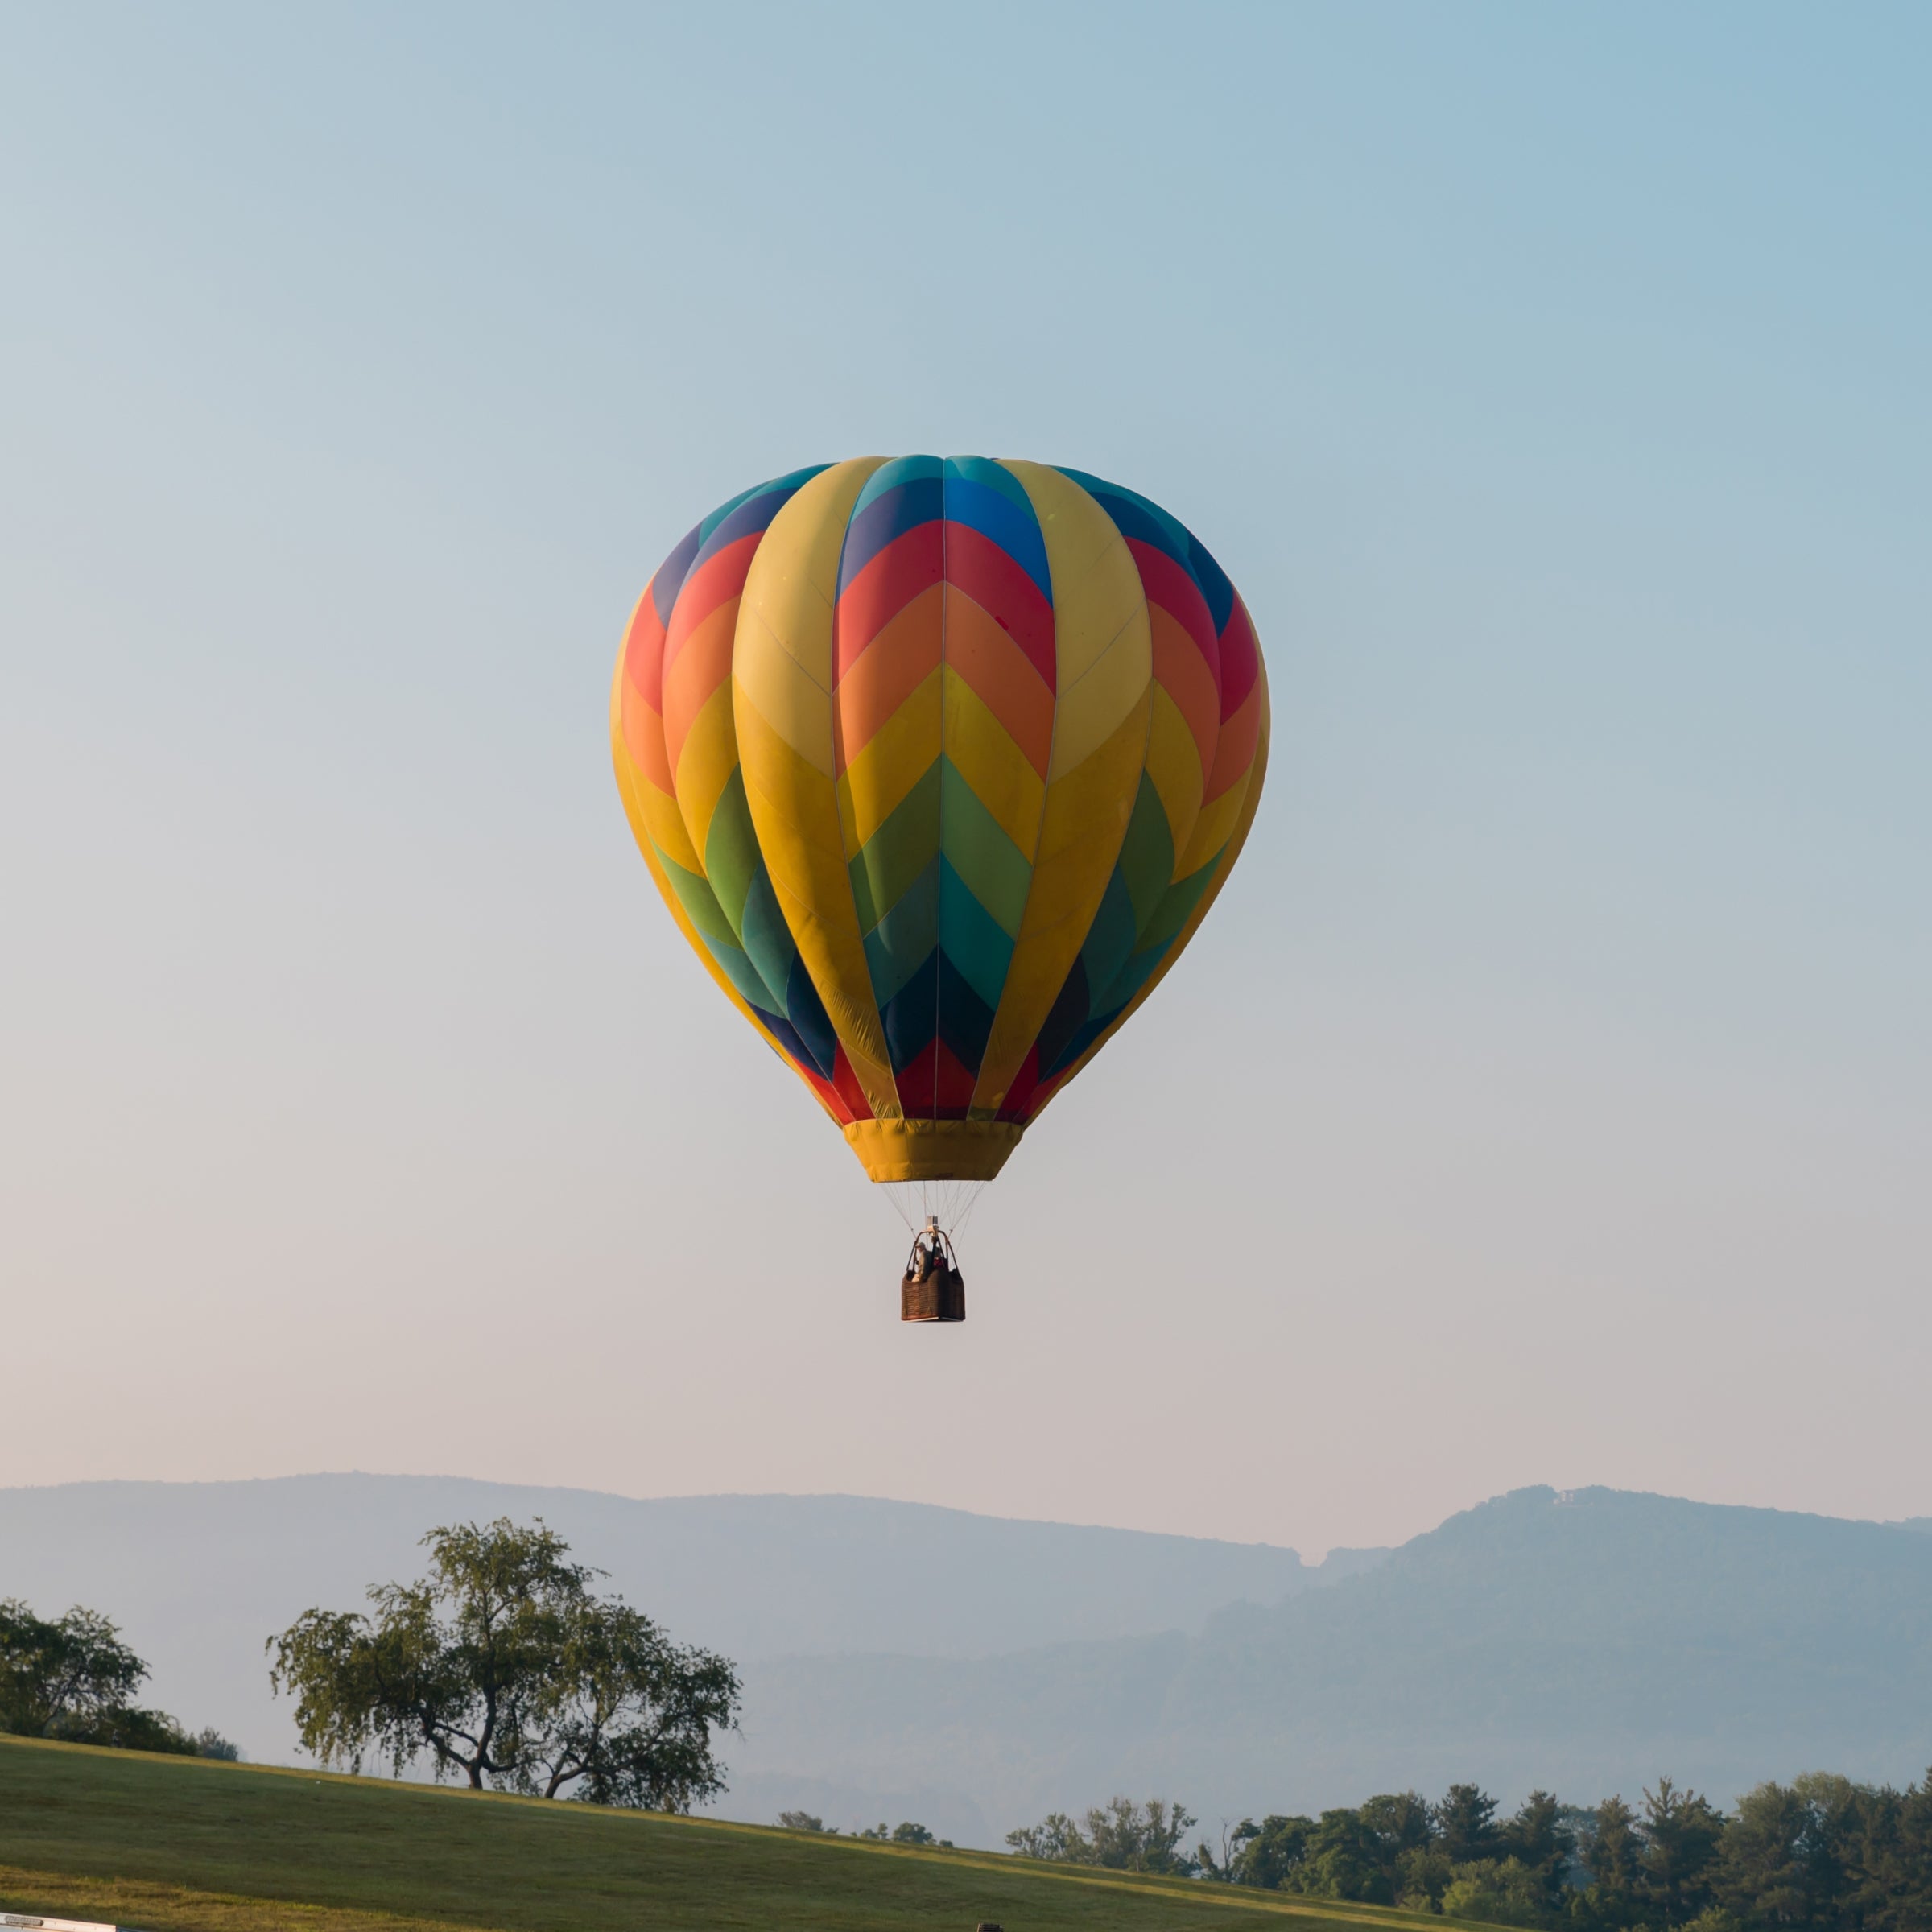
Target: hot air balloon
column 939, row 764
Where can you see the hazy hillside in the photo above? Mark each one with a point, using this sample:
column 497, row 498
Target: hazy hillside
column 199, row 1573
column 1586, row 1641
column 974, row 1672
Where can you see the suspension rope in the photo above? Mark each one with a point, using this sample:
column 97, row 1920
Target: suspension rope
column 951, row 1204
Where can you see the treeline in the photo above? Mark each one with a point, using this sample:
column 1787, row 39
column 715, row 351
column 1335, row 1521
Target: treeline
column 72, row 1678
column 1119, row 1836
column 1822, row 1854
column 905, row 1832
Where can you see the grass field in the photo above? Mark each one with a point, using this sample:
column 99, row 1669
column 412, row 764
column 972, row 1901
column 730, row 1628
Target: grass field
column 188, row 1845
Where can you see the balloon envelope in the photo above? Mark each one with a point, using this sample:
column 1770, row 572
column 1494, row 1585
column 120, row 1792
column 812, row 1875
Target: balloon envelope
column 939, row 764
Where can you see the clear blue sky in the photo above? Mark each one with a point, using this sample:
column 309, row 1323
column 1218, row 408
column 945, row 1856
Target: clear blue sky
column 1545, row 1101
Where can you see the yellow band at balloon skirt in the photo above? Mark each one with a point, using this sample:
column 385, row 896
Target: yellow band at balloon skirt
column 933, row 1151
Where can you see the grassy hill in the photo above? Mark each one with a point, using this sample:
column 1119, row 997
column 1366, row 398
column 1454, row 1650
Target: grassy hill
column 187, row 1845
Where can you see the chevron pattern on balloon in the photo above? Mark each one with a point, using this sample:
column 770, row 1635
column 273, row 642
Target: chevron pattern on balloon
column 938, row 764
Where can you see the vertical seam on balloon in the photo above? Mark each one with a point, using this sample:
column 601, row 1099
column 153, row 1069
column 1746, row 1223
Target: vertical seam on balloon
column 1153, row 684
column 849, row 1016
column 831, row 712
column 939, row 950
column 1039, row 831
column 1054, row 738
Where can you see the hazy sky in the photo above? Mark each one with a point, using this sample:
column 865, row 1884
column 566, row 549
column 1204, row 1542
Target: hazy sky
column 1546, row 1099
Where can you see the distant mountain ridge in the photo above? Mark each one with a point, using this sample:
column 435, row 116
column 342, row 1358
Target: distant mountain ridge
column 199, row 1573
column 904, row 1662
column 1586, row 1641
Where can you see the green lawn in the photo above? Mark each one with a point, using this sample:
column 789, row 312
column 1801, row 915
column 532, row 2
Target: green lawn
column 187, row 1845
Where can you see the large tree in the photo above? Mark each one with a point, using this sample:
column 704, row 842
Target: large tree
column 1615, row 1850
column 1682, row 1833
column 507, row 1668
column 1343, row 1859
column 1465, row 1823
column 1796, row 1855
column 1539, row 1837
column 1896, row 1894
column 1267, row 1855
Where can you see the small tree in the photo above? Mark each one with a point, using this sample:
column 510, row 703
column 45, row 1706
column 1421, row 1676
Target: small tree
column 1422, row 1874
column 1120, row 1836
column 1465, row 1824
column 504, row 1667
column 64, row 1676
column 73, row 1679
column 1056, row 1837
column 1224, row 1866
column 1127, row 1837
column 1500, row 1892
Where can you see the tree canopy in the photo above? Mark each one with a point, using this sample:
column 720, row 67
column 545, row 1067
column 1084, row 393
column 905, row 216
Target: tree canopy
column 509, row 1670
column 72, row 1678
column 1120, row 1836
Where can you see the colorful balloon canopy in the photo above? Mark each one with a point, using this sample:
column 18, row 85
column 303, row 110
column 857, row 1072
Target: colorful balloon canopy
column 939, row 764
